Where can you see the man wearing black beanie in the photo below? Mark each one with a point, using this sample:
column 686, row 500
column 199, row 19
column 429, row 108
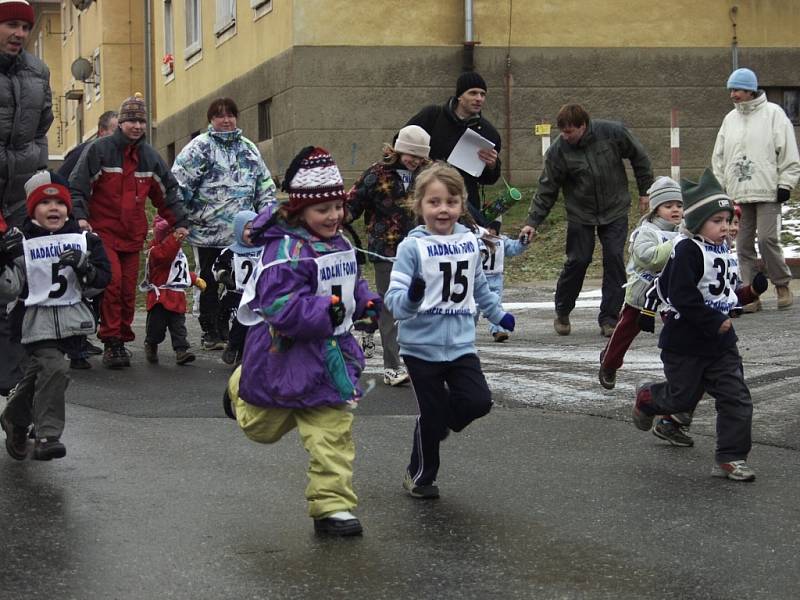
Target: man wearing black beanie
column 446, row 124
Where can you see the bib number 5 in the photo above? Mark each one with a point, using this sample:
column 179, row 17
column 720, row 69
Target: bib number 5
column 59, row 280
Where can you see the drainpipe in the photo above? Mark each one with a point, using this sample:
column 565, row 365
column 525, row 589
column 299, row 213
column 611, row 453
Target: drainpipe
column 148, row 67
column 469, row 42
column 734, row 40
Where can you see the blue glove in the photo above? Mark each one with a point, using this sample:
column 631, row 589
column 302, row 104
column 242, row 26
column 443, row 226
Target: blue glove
column 416, row 291
column 508, row 322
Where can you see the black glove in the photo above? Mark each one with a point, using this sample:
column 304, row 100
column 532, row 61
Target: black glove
column 760, row 283
column 336, row 311
column 783, row 195
column 647, row 315
column 73, row 257
column 11, row 243
column 416, row 291
column 226, row 279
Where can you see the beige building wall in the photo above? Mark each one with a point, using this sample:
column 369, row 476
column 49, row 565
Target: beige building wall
column 47, row 47
column 346, row 76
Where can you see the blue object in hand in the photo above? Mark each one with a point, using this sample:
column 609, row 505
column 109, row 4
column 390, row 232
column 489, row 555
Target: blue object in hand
column 416, row 291
column 508, row 322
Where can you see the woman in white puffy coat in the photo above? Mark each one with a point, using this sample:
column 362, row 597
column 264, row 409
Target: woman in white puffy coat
column 756, row 160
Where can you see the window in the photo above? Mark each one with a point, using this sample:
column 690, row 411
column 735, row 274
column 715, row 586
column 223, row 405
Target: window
column 170, row 153
column 788, row 98
column 264, row 124
column 194, row 30
column 226, row 16
column 96, row 68
column 169, row 37
column 261, row 4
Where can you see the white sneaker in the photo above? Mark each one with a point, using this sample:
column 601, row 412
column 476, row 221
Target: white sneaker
column 395, row 377
column 368, row 344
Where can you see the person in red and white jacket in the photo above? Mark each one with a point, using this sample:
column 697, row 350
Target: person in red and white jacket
column 110, row 184
column 167, row 279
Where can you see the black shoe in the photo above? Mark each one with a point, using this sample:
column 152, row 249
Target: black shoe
column 183, row 357
column 114, row 356
column 608, row 377
column 229, row 355
column 500, row 336
column 16, row 439
column 344, row 526
column 79, row 363
column 151, row 353
column 422, row 492
column 668, row 430
column 48, row 449
column 227, row 405
column 91, row 349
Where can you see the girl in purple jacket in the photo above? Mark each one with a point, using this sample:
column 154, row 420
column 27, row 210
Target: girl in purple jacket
column 301, row 364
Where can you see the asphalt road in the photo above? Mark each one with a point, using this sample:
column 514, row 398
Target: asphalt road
column 553, row 495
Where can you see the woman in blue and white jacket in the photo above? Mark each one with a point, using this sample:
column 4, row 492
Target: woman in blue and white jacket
column 437, row 285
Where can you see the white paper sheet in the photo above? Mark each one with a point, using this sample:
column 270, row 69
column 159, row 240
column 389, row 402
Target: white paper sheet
column 465, row 153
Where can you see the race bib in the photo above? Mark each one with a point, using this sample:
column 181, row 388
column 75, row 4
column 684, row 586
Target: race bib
column 336, row 276
column 448, row 265
column 405, row 176
column 49, row 284
column 178, row 278
column 244, row 268
column 492, row 262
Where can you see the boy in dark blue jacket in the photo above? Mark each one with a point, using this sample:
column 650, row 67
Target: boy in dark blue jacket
column 698, row 343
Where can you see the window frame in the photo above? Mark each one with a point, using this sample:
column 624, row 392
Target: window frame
column 195, row 45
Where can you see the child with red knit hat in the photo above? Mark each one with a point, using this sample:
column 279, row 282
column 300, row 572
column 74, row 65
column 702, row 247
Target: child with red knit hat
column 166, row 281
column 48, row 268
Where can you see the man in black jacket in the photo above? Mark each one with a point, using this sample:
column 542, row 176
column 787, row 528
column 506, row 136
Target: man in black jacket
column 586, row 163
column 106, row 125
column 447, row 123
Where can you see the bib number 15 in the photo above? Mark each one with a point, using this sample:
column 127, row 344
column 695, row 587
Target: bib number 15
column 450, row 280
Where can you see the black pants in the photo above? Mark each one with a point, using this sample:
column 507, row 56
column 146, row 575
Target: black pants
column 450, row 395
column 209, row 298
column 580, row 247
column 723, row 378
column 159, row 319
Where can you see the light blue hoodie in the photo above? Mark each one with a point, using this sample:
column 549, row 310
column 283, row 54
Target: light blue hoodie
column 434, row 337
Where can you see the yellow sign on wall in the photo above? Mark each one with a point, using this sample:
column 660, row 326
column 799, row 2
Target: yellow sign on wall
column 542, row 129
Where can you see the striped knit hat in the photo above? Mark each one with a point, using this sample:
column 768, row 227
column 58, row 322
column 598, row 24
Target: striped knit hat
column 44, row 185
column 664, row 190
column 312, row 178
column 703, row 199
column 16, row 10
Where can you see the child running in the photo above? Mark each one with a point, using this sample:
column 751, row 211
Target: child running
column 494, row 249
column 649, row 248
column 48, row 273
column 381, row 195
column 166, row 281
column 698, row 343
column 301, row 364
column 233, row 268
column 435, row 284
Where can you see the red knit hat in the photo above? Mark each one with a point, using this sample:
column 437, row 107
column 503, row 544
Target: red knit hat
column 312, row 178
column 44, row 185
column 161, row 228
column 16, row 10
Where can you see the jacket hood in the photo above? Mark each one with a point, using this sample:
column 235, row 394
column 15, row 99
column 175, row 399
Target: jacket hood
column 240, row 221
column 420, row 230
column 749, row 106
column 225, row 137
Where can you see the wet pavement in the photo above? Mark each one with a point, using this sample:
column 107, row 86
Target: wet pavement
column 553, row 495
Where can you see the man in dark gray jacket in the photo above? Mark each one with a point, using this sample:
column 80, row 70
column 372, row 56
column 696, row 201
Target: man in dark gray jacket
column 586, row 163
column 25, row 116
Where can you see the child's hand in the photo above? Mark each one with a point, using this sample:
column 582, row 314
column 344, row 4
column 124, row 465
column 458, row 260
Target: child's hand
column 416, row 291
column 11, row 243
column 200, row 284
column 336, row 311
column 73, row 257
column 226, row 279
column 725, row 327
column 760, row 283
column 508, row 322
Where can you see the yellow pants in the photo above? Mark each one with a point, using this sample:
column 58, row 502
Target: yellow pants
column 326, row 433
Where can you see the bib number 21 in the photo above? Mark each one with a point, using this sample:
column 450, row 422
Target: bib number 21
column 450, row 280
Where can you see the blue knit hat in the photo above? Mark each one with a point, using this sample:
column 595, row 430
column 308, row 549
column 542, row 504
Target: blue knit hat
column 743, row 79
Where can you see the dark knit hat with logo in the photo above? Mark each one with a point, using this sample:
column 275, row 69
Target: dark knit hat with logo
column 132, row 109
column 44, row 185
column 467, row 81
column 16, row 10
column 703, row 199
column 312, row 178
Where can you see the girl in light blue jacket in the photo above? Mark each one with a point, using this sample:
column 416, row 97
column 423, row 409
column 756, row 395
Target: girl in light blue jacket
column 436, row 288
